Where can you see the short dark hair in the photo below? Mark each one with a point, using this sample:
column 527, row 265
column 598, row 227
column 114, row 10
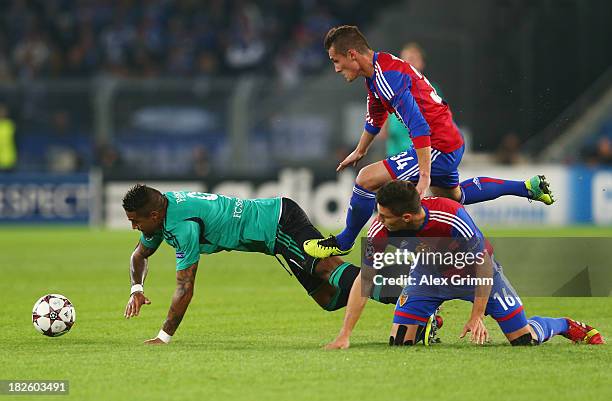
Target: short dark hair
column 142, row 199
column 399, row 197
column 346, row 37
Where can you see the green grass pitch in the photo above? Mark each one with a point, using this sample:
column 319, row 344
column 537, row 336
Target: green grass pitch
column 251, row 333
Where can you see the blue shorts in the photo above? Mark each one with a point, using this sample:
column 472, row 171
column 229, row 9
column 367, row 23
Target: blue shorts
column 444, row 173
column 504, row 306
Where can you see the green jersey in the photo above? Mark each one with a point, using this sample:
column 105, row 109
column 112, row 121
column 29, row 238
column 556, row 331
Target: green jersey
column 198, row 222
column 398, row 139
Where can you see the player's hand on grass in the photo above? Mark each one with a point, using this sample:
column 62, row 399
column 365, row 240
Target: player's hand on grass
column 154, row 341
column 133, row 306
column 477, row 329
column 351, row 160
column 339, row 343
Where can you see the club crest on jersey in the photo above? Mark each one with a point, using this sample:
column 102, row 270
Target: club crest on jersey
column 180, row 255
column 402, row 299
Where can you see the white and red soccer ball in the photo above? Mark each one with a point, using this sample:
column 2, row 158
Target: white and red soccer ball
column 53, row 315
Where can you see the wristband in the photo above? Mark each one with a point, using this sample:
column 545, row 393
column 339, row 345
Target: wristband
column 136, row 288
column 165, row 337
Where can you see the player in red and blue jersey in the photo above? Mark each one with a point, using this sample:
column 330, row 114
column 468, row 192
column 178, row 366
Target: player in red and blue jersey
column 395, row 86
column 403, row 215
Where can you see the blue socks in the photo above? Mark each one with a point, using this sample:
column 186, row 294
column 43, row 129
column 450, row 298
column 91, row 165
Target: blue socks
column 480, row 189
column 363, row 203
column 547, row 327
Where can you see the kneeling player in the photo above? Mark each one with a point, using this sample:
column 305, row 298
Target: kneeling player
column 197, row 223
column 401, row 213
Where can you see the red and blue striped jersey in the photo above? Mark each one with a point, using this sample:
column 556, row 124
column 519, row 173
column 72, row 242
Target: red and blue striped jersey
column 397, row 87
column 444, row 218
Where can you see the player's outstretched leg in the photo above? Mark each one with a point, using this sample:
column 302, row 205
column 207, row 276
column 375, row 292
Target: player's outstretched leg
column 547, row 327
column 361, row 207
column 539, row 190
column 480, row 189
column 362, row 204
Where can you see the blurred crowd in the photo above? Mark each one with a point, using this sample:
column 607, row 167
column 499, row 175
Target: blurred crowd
column 55, row 39
column 66, row 39
column 599, row 153
column 150, row 38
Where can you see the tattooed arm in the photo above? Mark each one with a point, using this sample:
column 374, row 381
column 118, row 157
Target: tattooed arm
column 182, row 296
column 180, row 301
column 138, row 273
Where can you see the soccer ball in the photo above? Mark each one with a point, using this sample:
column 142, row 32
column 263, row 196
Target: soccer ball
column 53, row 315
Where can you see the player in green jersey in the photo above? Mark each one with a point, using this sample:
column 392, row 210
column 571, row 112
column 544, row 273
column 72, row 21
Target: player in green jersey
column 195, row 223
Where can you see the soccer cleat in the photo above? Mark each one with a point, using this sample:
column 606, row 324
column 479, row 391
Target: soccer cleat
column 539, row 190
column 434, row 323
column 579, row 332
column 324, row 247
